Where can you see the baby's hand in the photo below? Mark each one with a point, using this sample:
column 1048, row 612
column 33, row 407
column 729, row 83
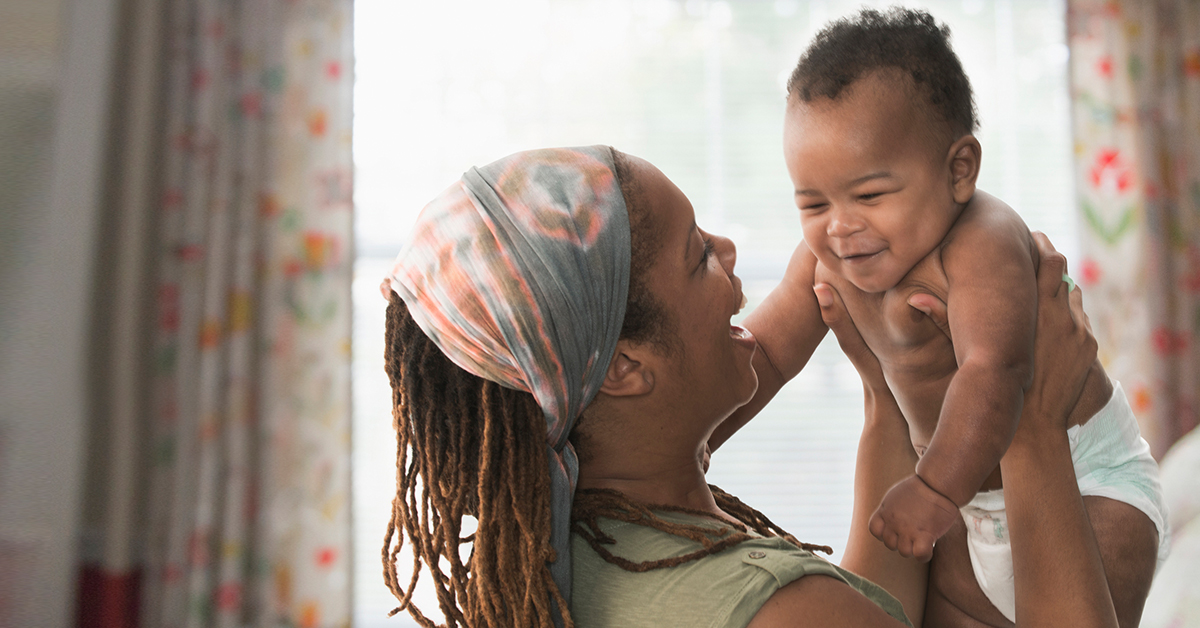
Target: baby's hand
column 912, row 517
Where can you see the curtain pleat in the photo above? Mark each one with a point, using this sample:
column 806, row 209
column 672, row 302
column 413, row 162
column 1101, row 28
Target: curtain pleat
column 1135, row 86
column 246, row 465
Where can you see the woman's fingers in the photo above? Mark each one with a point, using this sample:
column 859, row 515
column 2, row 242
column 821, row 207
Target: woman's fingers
column 1064, row 349
column 934, row 308
column 1051, row 269
column 833, row 312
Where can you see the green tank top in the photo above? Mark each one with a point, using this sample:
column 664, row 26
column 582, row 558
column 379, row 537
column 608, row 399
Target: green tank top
column 722, row 590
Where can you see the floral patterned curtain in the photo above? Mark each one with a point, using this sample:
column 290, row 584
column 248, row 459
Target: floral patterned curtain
column 1135, row 86
column 245, row 519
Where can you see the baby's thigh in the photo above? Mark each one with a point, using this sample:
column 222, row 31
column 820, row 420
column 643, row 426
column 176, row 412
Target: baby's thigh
column 1128, row 543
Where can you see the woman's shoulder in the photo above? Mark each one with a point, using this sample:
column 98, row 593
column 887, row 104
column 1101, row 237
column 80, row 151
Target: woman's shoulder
column 726, row 588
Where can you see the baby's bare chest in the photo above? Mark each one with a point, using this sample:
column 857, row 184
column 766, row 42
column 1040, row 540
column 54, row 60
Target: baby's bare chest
column 901, row 336
column 916, row 355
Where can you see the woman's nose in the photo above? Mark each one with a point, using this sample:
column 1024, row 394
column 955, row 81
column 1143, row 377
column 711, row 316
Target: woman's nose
column 726, row 252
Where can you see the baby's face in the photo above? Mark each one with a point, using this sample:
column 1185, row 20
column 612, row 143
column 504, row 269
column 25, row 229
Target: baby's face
column 872, row 182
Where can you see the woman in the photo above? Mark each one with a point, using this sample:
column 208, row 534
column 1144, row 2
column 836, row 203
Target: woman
column 558, row 333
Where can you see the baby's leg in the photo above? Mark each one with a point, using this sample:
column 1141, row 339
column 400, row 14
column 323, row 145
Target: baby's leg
column 1118, row 479
column 1128, row 542
column 954, row 599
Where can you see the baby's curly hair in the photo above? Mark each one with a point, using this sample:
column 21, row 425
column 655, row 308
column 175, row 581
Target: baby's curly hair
column 908, row 40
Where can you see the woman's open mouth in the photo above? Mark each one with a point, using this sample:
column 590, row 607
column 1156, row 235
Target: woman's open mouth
column 742, row 336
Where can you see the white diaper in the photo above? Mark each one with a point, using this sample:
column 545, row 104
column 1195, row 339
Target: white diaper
column 1111, row 460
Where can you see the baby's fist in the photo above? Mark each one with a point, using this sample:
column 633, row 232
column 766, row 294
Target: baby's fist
column 912, row 517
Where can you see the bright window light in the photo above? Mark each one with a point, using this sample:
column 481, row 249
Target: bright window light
column 697, row 88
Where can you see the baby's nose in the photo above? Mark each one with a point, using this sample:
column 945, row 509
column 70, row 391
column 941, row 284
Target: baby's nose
column 843, row 224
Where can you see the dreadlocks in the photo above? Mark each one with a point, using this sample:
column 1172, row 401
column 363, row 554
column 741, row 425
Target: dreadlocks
column 477, row 449
column 467, row 447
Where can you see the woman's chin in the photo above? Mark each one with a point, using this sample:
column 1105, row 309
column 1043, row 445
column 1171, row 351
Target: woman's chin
column 748, row 388
column 747, row 378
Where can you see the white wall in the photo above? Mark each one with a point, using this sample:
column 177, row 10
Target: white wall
column 54, row 76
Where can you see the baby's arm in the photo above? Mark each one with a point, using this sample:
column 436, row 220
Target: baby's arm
column 992, row 308
column 788, row 328
column 992, row 311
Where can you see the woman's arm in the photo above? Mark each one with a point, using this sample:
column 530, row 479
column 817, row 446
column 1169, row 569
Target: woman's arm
column 885, row 457
column 788, row 327
column 1057, row 569
column 1059, row 575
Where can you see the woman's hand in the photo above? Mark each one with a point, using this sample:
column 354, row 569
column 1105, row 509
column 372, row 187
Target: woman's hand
column 833, row 312
column 1064, row 350
column 1058, row 574
column 885, row 457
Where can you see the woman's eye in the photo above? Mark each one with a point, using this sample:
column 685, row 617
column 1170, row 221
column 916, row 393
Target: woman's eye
column 706, row 253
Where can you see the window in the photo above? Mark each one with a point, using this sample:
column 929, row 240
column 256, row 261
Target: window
column 697, row 88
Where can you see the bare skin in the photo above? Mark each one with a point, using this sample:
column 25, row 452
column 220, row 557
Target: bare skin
column 895, row 225
column 646, row 433
column 1059, row 568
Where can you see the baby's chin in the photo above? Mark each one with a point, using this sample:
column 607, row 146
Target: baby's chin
column 871, row 284
column 868, row 280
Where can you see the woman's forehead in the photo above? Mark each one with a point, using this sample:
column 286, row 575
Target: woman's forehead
column 672, row 210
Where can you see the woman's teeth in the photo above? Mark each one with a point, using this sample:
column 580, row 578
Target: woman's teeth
column 742, row 335
column 741, row 306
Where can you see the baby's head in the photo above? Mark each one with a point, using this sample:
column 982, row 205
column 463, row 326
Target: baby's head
column 878, row 142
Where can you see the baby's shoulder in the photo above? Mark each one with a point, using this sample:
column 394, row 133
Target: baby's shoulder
column 989, row 228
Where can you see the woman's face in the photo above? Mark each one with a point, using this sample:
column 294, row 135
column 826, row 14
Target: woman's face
column 709, row 371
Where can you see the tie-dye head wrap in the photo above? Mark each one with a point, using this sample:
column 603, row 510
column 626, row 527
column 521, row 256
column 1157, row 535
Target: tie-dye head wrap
column 520, row 274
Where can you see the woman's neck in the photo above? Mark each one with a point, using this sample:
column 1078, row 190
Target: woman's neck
column 650, row 447
column 652, row 477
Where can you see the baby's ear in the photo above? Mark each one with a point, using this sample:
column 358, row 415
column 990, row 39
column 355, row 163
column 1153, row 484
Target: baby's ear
column 964, row 157
column 629, row 374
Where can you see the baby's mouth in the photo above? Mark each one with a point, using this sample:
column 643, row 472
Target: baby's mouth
column 855, row 258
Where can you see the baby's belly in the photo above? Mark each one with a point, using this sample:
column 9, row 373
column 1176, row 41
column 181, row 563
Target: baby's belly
column 920, row 396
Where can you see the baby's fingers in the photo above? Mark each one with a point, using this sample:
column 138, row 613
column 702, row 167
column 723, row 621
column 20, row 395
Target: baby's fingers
column 923, row 548
column 882, row 531
column 876, row 526
column 891, row 539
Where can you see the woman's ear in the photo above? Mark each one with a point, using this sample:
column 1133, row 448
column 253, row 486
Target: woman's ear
column 629, row 374
column 964, row 156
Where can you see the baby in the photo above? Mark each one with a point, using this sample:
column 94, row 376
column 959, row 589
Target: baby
column 879, row 146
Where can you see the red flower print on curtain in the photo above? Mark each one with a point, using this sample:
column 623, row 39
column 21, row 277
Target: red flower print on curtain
column 244, row 510
column 1135, row 86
